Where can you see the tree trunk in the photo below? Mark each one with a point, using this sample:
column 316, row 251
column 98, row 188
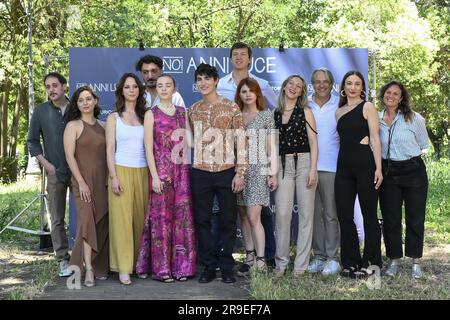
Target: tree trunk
column 4, row 120
column 2, row 96
column 15, row 122
column 26, row 113
column 436, row 143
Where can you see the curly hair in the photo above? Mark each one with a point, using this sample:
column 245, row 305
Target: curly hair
column 120, row 100
column 149, row 59
column 73, row 112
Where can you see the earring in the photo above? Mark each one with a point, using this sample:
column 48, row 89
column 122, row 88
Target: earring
column 343, row 93
column 363, row 93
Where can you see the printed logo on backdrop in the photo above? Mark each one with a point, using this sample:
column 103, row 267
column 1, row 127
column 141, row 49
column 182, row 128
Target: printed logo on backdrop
column 100, row 68
column 172, row 64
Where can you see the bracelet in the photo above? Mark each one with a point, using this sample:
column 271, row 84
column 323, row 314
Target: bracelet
column 240, row 173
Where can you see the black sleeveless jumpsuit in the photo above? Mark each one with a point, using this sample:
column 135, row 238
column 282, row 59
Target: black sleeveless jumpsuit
column 355, row 176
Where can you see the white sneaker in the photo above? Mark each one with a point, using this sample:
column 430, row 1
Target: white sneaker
column 416, row 271
column 331, row 267
column 64, row 268
column 392, row 268
column 316, row 266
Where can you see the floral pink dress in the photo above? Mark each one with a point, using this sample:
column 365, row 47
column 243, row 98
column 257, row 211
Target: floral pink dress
column 168, row 239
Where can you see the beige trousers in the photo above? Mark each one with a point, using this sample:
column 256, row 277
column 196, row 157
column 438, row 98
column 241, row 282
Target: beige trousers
column 57, row 193
column 294, row 183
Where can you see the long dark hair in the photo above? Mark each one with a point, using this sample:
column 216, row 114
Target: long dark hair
column 343, row 98
column 120, row 100
column 405, row 103
column 73, row 112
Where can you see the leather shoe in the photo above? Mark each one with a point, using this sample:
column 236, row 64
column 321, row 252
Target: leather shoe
column 207, row 276
column 228, row 278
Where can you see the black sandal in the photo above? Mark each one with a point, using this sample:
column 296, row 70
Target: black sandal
column 348, row 272
column 362, row 273
column 264, row 266
column 250, row 253
column 247, row 264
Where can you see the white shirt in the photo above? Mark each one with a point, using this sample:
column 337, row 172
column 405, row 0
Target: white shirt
column 327, row 136
column 130, row 150
column 177, row 100
column 227, row 87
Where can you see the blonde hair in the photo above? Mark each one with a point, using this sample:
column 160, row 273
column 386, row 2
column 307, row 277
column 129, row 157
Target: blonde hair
column 302, row 100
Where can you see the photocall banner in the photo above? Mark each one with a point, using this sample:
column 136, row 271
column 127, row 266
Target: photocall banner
column 100, row 68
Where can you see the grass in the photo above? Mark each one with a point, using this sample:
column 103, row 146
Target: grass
column 437, row 220
column 14, row 198
column 24, row 273
column 435, row 285
column 436, row 262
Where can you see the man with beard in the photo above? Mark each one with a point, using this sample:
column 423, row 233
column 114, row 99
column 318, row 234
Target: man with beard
column 48, row 121
column 151, row 67
column 326, row 233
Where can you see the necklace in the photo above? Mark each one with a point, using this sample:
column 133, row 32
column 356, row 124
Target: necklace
column 285, row 109
column 170, row 109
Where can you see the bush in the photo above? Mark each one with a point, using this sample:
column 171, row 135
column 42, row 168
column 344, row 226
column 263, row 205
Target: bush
column 8, row 169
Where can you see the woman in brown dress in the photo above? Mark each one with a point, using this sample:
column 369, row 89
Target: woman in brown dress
column 85, row 149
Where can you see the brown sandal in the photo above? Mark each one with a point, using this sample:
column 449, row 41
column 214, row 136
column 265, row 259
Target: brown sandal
column 89, row 283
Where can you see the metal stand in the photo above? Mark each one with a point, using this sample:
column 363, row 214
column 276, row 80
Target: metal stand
column 44, row 231
column 44, row 218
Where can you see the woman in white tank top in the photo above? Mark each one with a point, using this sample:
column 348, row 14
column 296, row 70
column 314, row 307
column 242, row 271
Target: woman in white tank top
column 128, row 175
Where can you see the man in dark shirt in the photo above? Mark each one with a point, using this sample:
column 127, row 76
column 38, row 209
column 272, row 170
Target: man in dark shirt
column 48, row 121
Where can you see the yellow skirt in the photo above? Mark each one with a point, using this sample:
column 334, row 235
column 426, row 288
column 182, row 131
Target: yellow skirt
column 126, row 217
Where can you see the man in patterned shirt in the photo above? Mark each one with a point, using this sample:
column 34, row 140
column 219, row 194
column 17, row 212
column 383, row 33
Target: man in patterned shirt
column 218, row 170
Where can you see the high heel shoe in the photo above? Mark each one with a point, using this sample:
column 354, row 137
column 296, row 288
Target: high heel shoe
column 87, row 282
column 260, row 264
column 244, row 269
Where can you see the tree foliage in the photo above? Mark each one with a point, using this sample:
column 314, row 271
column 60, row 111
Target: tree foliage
column 410, row 40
